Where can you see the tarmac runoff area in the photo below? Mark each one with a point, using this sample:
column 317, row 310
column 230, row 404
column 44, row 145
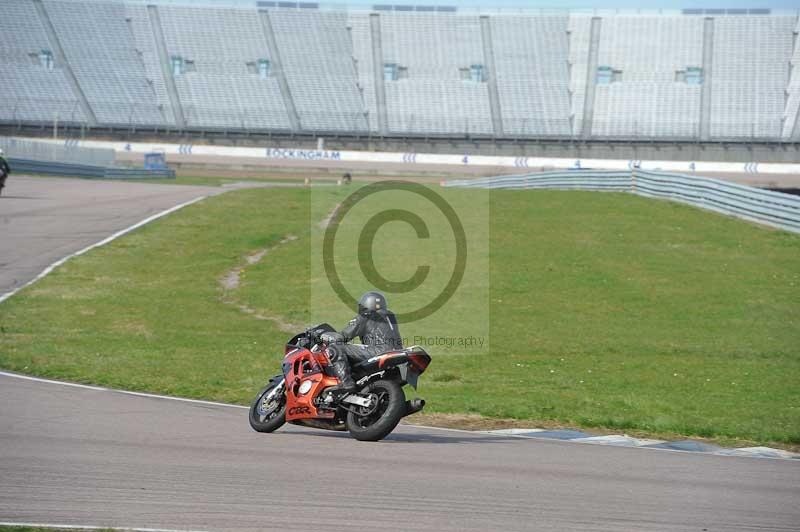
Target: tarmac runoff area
column 44, row 219
column 87, row 456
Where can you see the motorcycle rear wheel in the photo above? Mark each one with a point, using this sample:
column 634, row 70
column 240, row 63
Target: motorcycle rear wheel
column 268, row 415
column 373, row 424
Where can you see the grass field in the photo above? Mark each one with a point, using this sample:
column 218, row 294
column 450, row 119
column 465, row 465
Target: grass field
column 600, row 310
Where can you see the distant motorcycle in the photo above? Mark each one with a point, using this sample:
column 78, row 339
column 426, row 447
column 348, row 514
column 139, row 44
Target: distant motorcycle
column 3, row 175
column 301, row 395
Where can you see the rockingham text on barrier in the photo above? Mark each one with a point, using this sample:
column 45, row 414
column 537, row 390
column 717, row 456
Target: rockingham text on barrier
column 308, row 155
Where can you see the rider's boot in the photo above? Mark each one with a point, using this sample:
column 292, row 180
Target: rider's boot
column 346, row 384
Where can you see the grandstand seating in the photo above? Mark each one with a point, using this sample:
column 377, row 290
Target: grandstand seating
column 791, row 126
column 178, row 64
column 531, row 60
column 579, row 31
column 99, row 47
column 359, row 25
column 751, row 74
column 649, row 51
column 317, row 56
column 220, row 90
column 433, row 98
column 31, row 91
column 145, row 47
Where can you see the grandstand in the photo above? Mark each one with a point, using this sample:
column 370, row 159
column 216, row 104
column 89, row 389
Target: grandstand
column 401, row 71
column 649, row 101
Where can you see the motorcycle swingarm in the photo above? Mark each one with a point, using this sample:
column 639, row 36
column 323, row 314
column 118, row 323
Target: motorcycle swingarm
column 357, row 400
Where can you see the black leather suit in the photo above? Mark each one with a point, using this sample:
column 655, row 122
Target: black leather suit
column 4, row 172
column 378, row 332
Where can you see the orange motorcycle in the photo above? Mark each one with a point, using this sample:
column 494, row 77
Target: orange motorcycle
column 302, row 395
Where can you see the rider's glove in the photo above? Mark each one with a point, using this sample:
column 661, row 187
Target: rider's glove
column 332, row 338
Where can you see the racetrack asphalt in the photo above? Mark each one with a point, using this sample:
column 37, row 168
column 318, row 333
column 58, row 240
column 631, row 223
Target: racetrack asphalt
column 44, row 219
column 82, row 456
column 96, row 457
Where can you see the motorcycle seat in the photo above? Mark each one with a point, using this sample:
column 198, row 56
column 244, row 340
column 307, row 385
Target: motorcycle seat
column 396, row 357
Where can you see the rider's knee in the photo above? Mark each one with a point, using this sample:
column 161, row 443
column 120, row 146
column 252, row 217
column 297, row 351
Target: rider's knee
column 334, row 352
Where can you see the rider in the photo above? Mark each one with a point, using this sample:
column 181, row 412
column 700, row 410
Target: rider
column 4, row 170
column 377, row 327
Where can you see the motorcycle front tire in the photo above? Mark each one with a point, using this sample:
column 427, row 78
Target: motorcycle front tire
column 276, row 419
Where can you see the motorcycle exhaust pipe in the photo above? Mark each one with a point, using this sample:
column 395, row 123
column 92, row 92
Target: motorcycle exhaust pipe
column 415, row 405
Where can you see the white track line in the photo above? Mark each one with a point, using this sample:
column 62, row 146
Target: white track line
column 730, row 452
column 126, row 392
column 185, row 400
column 98, row 244
column 92, row 527
column 156, row 396
column 103, row 242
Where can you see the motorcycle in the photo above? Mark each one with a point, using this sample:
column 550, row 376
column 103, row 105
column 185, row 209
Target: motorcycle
column 302, row 395
column 3, row 175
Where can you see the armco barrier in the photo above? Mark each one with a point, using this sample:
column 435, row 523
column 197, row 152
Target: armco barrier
column 343, row 156
column 27, row 166
column 570, row 179
column 762, row 206
column 64, row 151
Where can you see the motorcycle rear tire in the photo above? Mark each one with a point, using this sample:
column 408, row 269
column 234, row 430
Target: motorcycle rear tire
column 389, row 418
column 273, row 423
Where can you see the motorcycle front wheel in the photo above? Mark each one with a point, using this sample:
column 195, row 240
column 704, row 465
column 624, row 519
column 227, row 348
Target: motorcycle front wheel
column 375, row 422
column 268, row 414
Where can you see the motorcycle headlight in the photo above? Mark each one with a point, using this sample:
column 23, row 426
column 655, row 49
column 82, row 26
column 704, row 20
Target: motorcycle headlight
column 305, row 387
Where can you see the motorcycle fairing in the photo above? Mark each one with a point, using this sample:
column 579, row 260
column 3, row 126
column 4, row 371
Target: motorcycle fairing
column 410, row 362
column 297, row 341
column 415, row 356
column 307, row 373
column 305, row 379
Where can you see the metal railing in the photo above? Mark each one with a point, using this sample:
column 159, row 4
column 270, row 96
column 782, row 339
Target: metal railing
column 27, row 166
column 763, row 206
column 67, row 152
column 70, row 159
column 228, row 116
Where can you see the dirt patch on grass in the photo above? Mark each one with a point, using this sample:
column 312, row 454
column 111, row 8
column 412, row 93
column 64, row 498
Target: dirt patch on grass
column 325, row 222
column 282, row 324
column 230, row 283
column 132, row 327
column 232, row 279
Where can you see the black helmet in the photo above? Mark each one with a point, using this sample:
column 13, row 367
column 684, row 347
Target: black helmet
column 372, row 302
